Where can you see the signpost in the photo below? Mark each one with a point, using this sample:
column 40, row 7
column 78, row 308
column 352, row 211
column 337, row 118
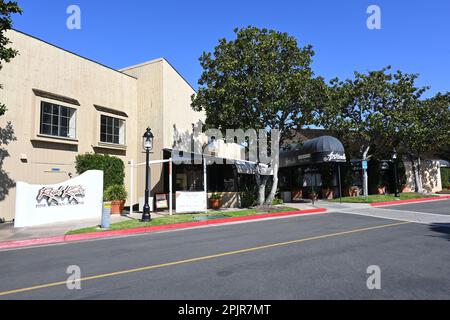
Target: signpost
column 365, row 166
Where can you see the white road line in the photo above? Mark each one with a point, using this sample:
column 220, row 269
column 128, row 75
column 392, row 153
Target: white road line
column 398, row 215
column 417, row 212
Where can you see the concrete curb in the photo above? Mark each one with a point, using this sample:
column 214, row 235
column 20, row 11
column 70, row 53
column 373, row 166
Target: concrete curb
column 389, row 203
column 117, row 233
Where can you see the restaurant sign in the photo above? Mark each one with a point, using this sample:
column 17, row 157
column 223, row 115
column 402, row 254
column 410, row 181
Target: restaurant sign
column 76, row 199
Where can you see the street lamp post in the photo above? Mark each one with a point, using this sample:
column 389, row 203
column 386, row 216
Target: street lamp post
column 395, row 157
column 148, row 147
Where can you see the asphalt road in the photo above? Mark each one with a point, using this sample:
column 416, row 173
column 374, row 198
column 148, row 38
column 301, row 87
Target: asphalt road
column 433, row 207
column 311, row 257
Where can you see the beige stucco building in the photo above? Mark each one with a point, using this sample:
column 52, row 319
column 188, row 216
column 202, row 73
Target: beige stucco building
column 61, row 105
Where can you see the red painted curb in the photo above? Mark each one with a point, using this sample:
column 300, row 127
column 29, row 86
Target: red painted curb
column 109, row 234
column 380, row 204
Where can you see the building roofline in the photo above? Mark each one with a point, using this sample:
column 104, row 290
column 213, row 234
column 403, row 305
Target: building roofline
column 156, row 61
column 73, row 53
column 141, row 64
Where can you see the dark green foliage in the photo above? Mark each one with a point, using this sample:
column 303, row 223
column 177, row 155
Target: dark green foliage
column 445, row 173
column 277, row 202
column 112, row 167
column 115, row 193
column 248, row 197
column 347, row 175
column 216, row 196
column 262, row 79
column 7, row 8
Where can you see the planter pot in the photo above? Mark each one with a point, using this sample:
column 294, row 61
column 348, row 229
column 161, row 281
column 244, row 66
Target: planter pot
column 297, row 195
column 405, row 189
column 328, row 194
column 215, row 204
column 353, row 192
column 117, row 207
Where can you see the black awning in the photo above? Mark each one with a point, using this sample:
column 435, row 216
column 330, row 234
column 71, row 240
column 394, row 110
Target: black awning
column 324, row 149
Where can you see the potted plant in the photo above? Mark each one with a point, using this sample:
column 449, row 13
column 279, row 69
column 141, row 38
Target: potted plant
column 382, row 185
column 348, row 180
column 215, row 201
column 117, row 195
column 313, row 195
column 381, row 189
column 354, row 191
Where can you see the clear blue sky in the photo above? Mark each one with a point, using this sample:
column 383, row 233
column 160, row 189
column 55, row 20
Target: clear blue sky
column 415, row 35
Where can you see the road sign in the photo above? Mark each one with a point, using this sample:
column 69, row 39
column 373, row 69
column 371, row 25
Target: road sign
column 365, row 165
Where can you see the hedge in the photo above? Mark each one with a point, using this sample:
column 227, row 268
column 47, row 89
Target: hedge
column 445, row 173
column 113, row 168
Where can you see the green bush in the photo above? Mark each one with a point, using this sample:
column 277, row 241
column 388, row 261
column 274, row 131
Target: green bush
column 445, row 173
column 277, row 202
column 115, row 193
column 248, row 197
column 113, row 168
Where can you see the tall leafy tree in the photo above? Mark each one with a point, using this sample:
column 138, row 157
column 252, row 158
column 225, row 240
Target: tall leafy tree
column 357, row 112
column 260, row 80
column 423, row 127
column 7, row 9
column 381, row 110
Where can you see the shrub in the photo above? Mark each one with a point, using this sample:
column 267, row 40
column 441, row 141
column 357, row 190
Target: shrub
column 445, row 173
column 115, row 193
column 277, row 202
column 248, row 197
column 113, row 168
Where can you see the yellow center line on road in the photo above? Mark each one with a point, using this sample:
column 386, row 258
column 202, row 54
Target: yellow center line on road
column 219, row 255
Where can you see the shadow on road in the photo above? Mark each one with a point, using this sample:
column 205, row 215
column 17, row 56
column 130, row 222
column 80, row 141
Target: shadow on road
column 442, row 228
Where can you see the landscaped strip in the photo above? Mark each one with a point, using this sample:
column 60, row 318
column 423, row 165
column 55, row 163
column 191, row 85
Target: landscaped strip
column 149, row 229
column 181, row 218
column 398, row 202
column 372, row 199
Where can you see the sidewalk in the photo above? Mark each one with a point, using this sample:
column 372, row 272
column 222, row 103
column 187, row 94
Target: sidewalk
column 9, row 233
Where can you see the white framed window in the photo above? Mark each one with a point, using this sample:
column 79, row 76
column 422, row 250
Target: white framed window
column 112, row 130
column 57, row 121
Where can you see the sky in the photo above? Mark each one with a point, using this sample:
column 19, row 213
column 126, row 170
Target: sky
column 414, row 35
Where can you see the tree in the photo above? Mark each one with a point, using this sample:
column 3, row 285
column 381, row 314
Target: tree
column 356, row 111
column 423, row 127
column 260, row 80
column 6, row 54
column 381, row 110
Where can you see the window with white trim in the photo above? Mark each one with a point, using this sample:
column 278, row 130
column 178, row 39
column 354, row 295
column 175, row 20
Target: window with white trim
column 112, row 130
column 58, row 121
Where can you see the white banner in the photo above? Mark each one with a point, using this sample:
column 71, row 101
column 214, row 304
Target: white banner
column 191, row 202
column 76, row 199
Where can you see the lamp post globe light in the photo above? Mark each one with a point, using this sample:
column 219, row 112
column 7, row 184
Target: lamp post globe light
column 148, row 147
column 395, row 158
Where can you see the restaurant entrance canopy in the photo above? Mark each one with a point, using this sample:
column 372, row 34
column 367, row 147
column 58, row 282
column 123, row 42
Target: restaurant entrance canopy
column 324, row 149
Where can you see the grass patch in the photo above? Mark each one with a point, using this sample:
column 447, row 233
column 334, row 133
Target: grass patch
column 180, row 218
column 383, row 198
